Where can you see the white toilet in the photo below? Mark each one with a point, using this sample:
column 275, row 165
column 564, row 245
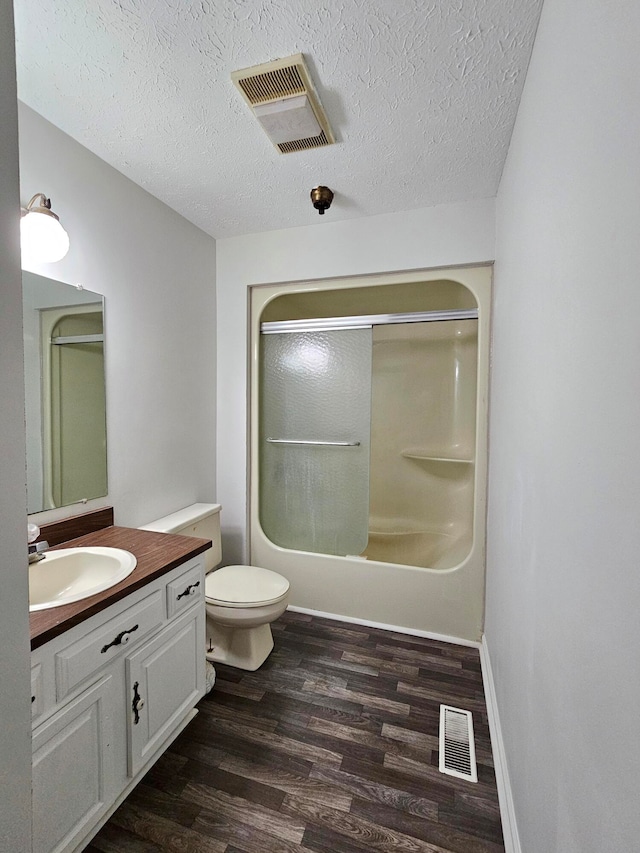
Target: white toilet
column 241, row 601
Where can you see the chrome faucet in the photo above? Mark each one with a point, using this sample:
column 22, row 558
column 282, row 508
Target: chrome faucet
column 36, row 551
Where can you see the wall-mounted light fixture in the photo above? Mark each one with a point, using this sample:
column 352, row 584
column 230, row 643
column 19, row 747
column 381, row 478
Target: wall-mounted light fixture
column 42, row 237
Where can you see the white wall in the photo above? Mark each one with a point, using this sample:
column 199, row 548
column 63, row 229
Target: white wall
column 15, row 705
column 563, row 593
column 440, row 236
column 157, row 273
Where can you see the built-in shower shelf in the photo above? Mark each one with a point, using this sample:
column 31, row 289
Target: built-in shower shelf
column 403, row 532
column 428, row 457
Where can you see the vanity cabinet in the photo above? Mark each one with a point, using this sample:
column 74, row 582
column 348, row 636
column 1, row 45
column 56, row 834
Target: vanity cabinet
column 108, row 697
column 158, row 703
column 72, row 778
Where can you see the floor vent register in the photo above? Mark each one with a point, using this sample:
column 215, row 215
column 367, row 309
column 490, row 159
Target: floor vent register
column 457, row 748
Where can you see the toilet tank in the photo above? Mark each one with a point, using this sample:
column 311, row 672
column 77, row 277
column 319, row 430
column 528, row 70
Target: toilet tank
column 202, row 520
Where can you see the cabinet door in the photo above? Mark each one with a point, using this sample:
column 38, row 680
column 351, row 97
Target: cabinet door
column 72, row 769
column 165, row 679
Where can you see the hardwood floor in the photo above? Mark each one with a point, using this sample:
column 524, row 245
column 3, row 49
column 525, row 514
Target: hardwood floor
column 330, row 747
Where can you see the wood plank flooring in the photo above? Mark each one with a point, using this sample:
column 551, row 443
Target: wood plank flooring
column 330, row 747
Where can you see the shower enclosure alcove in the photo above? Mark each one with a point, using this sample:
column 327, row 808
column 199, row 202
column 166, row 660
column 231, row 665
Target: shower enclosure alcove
column 368, row 445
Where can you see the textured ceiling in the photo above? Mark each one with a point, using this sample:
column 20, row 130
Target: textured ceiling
column 421, row 96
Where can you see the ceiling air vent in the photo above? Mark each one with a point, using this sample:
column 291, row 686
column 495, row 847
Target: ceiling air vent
column 284, row 101
column 457, row 748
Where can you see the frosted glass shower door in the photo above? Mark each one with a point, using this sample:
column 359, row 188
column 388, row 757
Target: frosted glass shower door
column 315, row 407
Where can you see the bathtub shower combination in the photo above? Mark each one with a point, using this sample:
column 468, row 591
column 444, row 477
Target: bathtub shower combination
column 368, row 465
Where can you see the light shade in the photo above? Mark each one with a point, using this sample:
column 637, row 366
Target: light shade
column 288, row 120
column 42, row 237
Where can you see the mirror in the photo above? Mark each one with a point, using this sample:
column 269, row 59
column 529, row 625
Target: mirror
column 65, row 404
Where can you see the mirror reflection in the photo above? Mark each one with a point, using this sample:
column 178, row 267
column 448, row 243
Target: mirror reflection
column 65, row 404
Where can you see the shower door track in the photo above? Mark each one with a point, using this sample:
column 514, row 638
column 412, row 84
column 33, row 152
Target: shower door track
column 314, row 443
column 364, row 321
column 63, row 340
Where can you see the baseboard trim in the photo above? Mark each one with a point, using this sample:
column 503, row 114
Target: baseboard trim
column 505, row 797
column 397, row 629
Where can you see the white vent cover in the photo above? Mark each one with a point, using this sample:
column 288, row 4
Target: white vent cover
column 283, row 98
column 457, row 748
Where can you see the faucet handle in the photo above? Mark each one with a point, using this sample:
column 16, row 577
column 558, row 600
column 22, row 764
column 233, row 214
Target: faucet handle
column 35, row 551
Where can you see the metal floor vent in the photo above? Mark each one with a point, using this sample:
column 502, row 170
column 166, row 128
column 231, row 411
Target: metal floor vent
column 457, row 748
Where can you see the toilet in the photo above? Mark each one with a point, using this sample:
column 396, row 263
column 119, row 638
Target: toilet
column 241, row 601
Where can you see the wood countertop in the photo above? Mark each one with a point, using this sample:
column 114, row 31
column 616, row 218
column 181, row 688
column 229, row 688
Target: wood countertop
column 156, row 553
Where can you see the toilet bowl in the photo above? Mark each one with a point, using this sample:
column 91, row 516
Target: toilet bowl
column 241, row 603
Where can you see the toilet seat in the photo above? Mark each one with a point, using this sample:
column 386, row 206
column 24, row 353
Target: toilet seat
column 244, row 586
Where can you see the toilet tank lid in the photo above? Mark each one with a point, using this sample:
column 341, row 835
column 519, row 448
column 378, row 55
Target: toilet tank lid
column 183, row 517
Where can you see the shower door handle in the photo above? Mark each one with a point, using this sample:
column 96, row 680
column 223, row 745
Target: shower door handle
column 314, row 443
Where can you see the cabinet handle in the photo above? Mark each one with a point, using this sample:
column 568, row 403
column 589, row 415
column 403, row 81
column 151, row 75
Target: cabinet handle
column 120, row 640
column 190, row 590
column 137, row 704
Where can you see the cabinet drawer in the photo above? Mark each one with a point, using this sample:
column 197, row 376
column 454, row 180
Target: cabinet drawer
column 185, row 590
column 98, row 648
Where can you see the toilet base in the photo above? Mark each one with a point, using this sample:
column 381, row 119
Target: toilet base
column 243, row 648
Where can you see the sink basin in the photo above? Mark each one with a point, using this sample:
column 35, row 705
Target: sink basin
column 71, row 574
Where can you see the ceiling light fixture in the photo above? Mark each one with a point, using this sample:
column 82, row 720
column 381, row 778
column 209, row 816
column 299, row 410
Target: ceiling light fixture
column 321, row 198
column 288, row 119
column 42, row 237
column 283, row 98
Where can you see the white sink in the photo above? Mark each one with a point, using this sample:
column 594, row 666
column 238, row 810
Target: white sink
column 71, row 574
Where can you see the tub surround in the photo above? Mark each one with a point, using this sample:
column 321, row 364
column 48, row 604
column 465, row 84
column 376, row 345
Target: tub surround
column 156, row 553
column 439, row 590
column 423, row 443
